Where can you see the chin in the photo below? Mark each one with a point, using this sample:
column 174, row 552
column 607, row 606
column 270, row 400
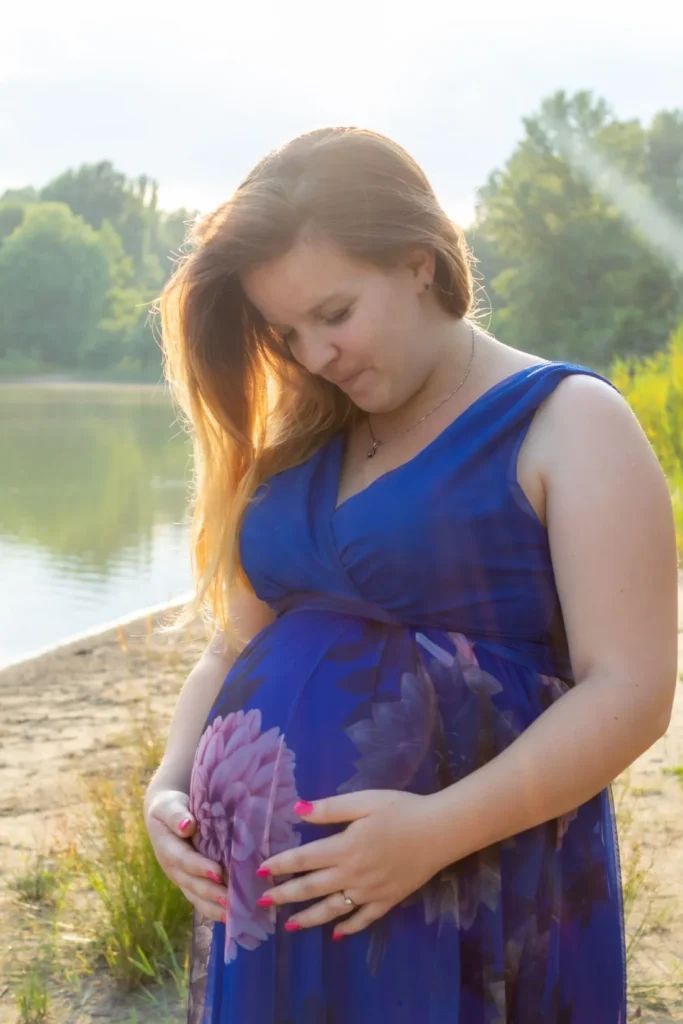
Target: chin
column 367, row 398
column 374, row 407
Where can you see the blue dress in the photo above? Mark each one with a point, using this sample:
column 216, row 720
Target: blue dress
column 418, row 633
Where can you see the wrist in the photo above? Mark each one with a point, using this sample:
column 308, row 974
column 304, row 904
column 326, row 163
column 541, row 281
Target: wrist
column 438, row 829
column 167, row 777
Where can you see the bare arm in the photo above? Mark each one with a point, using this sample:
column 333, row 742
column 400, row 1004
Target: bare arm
column 613, row 548
column 199, row 693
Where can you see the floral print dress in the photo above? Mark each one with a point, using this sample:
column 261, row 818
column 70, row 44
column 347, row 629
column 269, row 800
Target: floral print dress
column 418, row 633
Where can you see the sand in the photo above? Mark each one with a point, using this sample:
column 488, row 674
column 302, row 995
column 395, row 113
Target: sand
column 67, row 713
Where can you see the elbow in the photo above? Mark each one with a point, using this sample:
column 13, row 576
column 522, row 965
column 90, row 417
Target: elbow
column 652, row 723
column 665, row 710
column 663, row 722
column 663, row 694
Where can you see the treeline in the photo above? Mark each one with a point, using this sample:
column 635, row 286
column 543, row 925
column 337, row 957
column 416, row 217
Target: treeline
column 653, row 387
column 580, row 236
column 579, row 241
column 81, row 261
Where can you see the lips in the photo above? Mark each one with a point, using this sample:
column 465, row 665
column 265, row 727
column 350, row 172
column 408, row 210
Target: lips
column 347, row 380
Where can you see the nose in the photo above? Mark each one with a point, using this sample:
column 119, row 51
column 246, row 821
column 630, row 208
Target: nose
column 316, row 354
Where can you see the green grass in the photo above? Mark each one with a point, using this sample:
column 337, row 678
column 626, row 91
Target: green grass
column 103, row 890
column 647, row 909
column 104, row 887
column 143, row 920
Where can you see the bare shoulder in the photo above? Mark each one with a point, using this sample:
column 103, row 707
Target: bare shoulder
column 578, row 407
column 585, row 428
column 592, row 450
column 612, row 537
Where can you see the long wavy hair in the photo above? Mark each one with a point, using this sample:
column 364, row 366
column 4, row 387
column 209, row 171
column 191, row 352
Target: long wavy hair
column 250, row 408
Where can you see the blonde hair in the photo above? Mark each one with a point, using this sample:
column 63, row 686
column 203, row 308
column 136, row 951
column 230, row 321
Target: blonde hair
column 251, row 410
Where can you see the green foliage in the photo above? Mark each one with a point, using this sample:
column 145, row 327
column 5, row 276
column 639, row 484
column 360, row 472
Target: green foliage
column 568, row 238
column 80, row 264
column 653, row 387
column 21, row 195
column 11, row 216
column 102, row 195
column 143, row 921
column 121, row 270
column 95, row 191
column 567, row 274
column 54, row 278
column 664, row 169
column 37, row 885
column 33, row 998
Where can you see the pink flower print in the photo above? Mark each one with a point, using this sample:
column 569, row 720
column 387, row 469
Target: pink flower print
column 563, row 823
column 557, row 687
column 242, row 794
column 465, row 649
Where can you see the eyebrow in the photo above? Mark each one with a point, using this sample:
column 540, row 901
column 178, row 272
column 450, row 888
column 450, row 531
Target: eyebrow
column 314, row 309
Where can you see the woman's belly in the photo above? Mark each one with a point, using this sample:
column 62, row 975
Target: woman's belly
column 350, row 698
column 322, row 703
column 359, row 704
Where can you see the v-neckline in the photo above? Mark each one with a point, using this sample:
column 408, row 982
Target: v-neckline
column 339, row 439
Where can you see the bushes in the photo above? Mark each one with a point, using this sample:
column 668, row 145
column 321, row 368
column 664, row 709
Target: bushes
column 653, row 387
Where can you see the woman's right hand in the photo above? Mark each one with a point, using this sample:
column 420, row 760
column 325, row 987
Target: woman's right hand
column 164, row 810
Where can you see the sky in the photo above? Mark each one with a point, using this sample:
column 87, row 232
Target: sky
column 194, row 93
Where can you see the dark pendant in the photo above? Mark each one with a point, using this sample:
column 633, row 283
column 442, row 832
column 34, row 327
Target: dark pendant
column 375, row 446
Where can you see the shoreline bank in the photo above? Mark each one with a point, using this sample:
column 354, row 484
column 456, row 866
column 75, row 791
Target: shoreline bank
column 100, row 634
column 70, row 715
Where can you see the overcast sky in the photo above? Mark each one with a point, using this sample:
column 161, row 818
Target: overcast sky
column 193, row 93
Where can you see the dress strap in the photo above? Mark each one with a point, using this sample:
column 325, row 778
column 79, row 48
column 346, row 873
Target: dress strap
column 508, row 410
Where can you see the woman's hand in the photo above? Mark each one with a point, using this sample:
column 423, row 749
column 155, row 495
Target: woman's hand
column 384, row 855
column 196, row 876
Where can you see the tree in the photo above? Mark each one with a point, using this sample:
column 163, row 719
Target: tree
column 95, row 192
column 172, row 230
column 664, row 170
column 21, row 195
column 573, row 278
column 11, row 216
column 99, row 193
column 54, row 280
column 121, row 270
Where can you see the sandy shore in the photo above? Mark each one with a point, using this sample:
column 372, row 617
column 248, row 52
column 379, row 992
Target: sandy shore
column 67, row 712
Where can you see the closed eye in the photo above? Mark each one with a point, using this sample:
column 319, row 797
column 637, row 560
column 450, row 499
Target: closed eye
column 288, row 337
column 339, row 317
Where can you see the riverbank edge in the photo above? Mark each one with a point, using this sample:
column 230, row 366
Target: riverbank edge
column 102, row 633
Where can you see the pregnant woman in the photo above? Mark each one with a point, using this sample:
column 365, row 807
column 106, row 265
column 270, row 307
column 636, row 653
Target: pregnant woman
column 441, row 575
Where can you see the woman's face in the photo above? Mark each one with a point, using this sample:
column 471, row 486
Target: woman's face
column 354, row 324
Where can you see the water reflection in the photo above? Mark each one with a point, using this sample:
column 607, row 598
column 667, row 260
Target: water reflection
column 93, row 483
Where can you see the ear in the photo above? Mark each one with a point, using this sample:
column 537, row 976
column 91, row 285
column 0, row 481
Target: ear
column 420, row 263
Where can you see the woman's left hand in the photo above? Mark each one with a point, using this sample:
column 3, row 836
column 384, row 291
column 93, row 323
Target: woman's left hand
column 387, row 852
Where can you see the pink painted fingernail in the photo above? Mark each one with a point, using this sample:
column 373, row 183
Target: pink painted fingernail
column 263, row 873
column 224, row 918
column 292, row 926
column 223, row 902
column 303, row 807
column 213, row 876
column 337, row 935
column 185, row 823
column 265, row 901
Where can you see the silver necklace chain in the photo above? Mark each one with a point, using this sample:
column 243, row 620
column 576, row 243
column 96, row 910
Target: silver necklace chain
column 376, row 443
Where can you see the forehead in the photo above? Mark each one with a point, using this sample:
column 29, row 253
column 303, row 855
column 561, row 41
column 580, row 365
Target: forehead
column 287, row 288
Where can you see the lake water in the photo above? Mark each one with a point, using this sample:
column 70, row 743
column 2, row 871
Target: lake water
column 93, row 483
